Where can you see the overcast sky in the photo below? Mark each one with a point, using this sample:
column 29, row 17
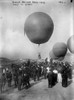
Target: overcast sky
column 14, row 43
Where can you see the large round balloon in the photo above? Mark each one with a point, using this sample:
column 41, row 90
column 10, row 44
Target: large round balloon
column 51, row 54
column 39, row 27
column 60, row 49
column 70, row 44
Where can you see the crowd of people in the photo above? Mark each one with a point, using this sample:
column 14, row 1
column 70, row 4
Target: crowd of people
column 62, row 72
column 21, row 75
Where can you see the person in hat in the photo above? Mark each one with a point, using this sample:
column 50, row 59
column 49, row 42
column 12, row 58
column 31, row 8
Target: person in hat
column 50, row 78
column 55, row 72
column 2, row 81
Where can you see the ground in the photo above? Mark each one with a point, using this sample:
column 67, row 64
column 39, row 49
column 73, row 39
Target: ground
column 40, row 91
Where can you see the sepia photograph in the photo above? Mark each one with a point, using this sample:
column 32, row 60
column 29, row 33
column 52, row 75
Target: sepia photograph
column 36, row 50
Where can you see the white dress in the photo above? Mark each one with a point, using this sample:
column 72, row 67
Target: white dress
column 59, row 77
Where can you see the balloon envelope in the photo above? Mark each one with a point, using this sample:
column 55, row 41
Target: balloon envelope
column 51, row 54
column 39, row 27
column 70, row 44
column 60, row 49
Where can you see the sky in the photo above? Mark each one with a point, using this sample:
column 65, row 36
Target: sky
column 14, row 43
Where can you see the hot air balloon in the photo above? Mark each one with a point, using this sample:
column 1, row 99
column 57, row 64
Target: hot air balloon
column 60, row 49
column 70, row 44
column 51, row 54
column 39, row 27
